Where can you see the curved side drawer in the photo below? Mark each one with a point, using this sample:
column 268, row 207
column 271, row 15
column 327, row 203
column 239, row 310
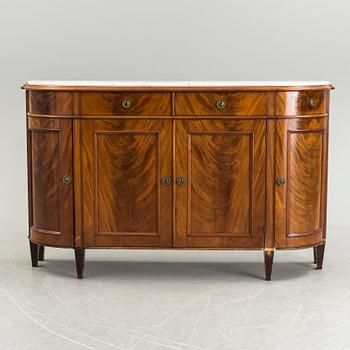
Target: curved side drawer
column 50, row 103
column 293, row 103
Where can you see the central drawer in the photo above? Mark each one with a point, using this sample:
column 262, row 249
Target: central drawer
column 222, row 104
column 126, row 104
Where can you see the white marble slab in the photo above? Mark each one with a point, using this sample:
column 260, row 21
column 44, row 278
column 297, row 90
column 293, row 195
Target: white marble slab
column 174, row 83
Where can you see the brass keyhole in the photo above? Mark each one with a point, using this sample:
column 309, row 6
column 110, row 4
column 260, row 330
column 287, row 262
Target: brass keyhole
column 67, row 179
column 220, row 104
column 312, row 102
column 180, row 180
column 126, row 104
column 281, row 181
column 165, row 180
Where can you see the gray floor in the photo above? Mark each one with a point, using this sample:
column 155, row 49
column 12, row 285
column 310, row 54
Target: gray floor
column 174, row 300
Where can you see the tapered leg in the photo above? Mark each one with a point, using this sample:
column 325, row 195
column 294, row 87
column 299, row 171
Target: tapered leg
column 41, row 252
column 315, row 254
column 34, row 253
column 268, row 259
column 319, row 255
column 79, row 261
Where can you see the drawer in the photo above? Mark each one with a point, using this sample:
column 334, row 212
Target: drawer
column 293, row 103
column 55, row 103
column 126, row 104
column 224, row 104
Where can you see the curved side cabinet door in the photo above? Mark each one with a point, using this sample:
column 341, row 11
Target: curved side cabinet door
column 301, row 177
column 50, row 181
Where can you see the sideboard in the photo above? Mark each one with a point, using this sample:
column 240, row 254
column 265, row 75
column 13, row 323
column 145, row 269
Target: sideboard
column 177, row 165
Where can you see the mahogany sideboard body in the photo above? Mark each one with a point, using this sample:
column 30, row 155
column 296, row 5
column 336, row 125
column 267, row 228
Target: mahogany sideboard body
column 222, row 166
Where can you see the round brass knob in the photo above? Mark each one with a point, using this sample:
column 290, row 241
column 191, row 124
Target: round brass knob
column 67, row 179
column 126, row 104
column 180, row 180
column 312, row 102
column 165, row 180
column 281, row 181
column 220, row 104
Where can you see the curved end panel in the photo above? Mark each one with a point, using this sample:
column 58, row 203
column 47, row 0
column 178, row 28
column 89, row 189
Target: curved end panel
column 301, row 199
column 304, row 240
column 49, row 238
column 51, row 198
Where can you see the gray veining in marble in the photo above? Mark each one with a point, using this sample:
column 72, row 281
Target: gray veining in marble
column 140, row 300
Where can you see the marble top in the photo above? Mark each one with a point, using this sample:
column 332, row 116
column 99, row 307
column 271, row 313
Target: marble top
column 175, row 83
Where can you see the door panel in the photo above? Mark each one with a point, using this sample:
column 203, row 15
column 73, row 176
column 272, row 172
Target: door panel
column 222, row 203
column 301, row 159
column 50, row 159
column 126, row 167
column 216, row 186
column 124, row 201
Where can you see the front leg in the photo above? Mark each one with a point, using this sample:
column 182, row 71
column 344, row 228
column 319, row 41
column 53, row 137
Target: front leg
column 268, row 260
column 34, row 253
column 79, row 261
column 319, row 255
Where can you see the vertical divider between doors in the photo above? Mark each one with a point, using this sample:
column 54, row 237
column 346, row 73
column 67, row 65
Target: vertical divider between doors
column 173, row 167
column 270, row 174
column 77, row 171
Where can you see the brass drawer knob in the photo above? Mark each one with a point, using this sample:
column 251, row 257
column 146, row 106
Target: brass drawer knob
column 281, row 181
column 67, row 179
column 180, row 180
column 312, row 102
column 126, row 104
column 165, row 180
column 220, row 104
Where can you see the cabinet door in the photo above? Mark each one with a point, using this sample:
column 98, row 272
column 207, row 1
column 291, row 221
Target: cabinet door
column 50, row 198
column 221, row 203
column 301, row 159
column 124, row 202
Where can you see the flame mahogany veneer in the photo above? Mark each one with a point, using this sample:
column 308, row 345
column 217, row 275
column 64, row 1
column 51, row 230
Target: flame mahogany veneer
column 211, row 167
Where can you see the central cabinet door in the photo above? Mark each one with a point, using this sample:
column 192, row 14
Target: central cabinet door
column 124, row 202
column 220, row 190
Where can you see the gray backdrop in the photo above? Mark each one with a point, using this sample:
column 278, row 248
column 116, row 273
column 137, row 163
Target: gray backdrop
column 170, row 40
